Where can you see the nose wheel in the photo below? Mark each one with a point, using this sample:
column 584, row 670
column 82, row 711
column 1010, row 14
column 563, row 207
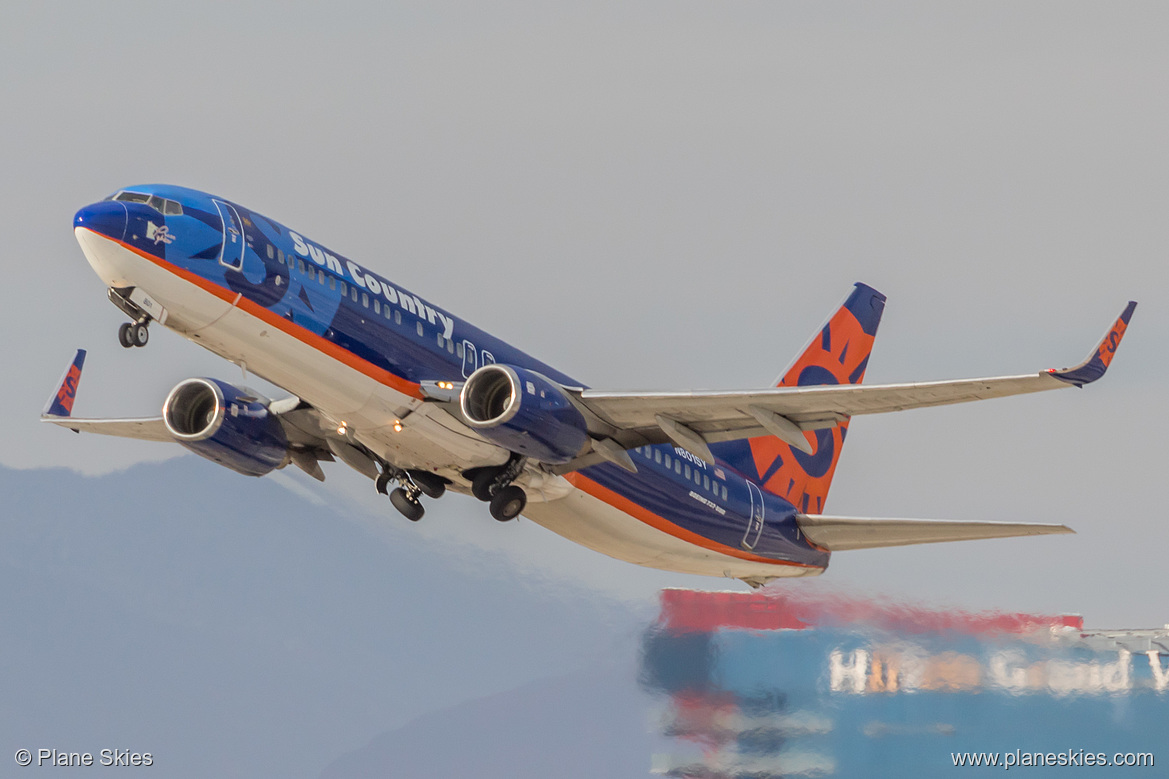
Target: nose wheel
column 132, row 334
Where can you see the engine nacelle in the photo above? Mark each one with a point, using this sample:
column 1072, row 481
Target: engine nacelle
column 223, row 423
column 525, row 412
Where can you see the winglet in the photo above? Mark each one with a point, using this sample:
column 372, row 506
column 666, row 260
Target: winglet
column 61, row 403
column 1097, row 363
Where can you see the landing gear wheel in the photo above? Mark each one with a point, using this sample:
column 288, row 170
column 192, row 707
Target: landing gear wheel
column 410, row 509
column 432, row 486
column 140, row 333
column 508, row 503
column 125, row 337
column 482, row 484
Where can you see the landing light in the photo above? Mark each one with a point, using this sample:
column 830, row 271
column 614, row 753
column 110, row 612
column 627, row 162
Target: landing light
column 342, row 428
column 397, row 426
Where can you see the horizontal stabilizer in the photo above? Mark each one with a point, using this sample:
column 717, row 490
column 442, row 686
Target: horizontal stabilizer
column 842, row 533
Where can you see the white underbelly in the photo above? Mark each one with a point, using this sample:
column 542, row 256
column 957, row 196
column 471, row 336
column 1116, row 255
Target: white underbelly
column 591, row 522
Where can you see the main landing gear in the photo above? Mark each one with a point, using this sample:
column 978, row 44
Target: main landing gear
column 413, row 484
column 494, row 486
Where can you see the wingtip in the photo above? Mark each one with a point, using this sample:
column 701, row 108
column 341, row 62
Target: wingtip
column 1098, row 361
column 61, row 403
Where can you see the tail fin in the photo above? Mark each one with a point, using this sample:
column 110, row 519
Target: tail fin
column 838, row 354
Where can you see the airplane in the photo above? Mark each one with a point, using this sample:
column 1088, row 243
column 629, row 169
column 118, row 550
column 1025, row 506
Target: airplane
column 717, row 483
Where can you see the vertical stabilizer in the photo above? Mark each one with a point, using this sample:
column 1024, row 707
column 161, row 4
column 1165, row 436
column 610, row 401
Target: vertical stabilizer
column 838, row 354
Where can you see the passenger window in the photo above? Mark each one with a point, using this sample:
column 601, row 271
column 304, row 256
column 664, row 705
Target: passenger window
column 353, row 293
column 418, row 326
column 271, row 253
column 706, row 482
column 280, row 256
column 678, row 466
column 657, row 455
column 450, row 347
column 397, row 317
column 321, row 277
column 344, row 289
column 459, row 351
column 386, row 311
column 669, row 462
column 377, row 306
column 686, row 471
column 302, row 268
column 332, row 283
column 724, row 492
column 365, row 299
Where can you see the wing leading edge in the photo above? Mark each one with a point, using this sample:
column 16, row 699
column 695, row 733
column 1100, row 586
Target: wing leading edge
column 837, row 534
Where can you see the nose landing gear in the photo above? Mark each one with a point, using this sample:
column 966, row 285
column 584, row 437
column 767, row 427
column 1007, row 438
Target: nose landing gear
column 132, row 334
column 137, row 332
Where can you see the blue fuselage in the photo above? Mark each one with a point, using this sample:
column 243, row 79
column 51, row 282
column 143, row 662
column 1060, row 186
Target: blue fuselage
column 401, row 339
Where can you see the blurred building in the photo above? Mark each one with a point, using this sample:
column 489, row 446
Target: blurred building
column 760, row 685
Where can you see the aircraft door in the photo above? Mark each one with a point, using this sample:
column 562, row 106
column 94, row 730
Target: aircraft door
column 470, row 359
column 232, row 254
column 755, row 521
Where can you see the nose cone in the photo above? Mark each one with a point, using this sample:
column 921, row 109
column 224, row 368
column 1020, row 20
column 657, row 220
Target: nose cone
column 107, row 218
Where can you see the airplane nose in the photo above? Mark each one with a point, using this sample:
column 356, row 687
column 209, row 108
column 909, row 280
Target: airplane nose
column 107, row 217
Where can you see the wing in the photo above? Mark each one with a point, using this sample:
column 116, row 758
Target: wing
column 692, row 419
column 837, row 534
column 305, row 428
column 143, row 428
column 59, row 411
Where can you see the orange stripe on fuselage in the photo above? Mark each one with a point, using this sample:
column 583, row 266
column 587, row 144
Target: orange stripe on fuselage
column 621, row 503
column 381, row 375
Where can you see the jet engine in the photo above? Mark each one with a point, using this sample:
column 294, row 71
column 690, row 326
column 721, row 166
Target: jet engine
column 226, row 424
column 525, row 412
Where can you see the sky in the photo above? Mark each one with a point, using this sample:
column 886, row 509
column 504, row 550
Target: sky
column 660, row 195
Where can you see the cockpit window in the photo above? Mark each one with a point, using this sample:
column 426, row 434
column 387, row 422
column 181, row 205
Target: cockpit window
column 159, row 204
column 132, row 197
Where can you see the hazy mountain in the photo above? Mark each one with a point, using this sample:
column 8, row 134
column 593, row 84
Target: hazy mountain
column 231, row 627
column 595, row 723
